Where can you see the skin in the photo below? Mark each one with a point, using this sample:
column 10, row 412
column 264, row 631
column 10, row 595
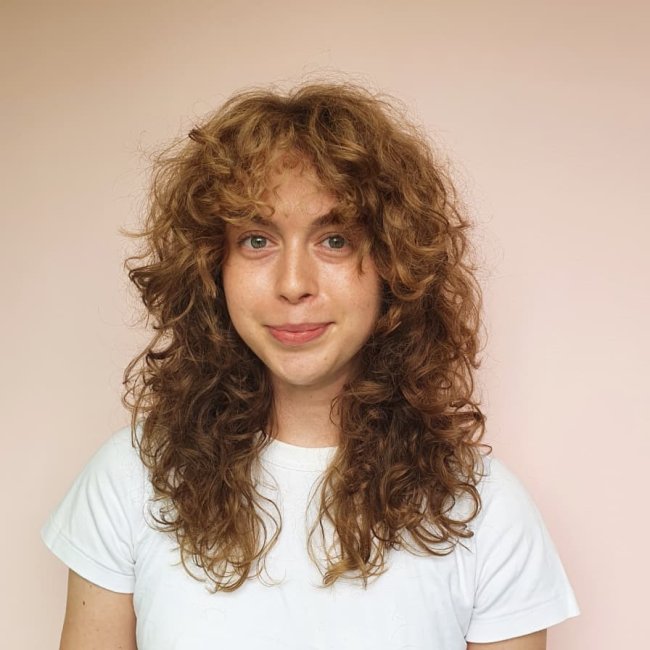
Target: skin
column 290, row 270
column 294, row 269
column 96, row 618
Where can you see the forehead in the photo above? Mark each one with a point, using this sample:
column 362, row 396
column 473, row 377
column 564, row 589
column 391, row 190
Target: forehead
column 296, row 191
column 290, row 192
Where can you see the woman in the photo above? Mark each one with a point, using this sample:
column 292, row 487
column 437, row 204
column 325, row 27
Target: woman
column 303, row 466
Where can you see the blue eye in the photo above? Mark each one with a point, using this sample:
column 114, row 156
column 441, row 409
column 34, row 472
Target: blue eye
column 336, row 241
column 257, row 241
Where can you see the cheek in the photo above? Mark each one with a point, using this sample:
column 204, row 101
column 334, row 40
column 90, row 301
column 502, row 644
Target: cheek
column 235, row 295
column 367, row 298
column 238, row 285
column 372, row 283
column 227, row 283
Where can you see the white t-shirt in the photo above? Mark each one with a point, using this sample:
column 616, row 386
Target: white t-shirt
column 506, row 581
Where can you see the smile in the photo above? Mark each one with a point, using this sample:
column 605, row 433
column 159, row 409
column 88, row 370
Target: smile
column 299, row 335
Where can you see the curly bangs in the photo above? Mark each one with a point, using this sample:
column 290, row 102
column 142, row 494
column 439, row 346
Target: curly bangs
column 410, row 427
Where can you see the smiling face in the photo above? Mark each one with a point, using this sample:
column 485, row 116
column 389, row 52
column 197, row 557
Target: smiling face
column 293, row 289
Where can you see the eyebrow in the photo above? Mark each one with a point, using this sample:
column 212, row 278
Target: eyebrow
column 330, row 218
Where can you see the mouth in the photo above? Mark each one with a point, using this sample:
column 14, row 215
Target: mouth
column 296, row 334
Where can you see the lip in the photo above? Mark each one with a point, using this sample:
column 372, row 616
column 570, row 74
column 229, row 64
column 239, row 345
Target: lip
column 297, row 327
column 298, row 333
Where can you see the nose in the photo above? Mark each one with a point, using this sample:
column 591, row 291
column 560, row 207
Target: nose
column 296, row 277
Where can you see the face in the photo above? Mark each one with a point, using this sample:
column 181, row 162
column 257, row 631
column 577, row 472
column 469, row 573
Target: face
column 293, row 289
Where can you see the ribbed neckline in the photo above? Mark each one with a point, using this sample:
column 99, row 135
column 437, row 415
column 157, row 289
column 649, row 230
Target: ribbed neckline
column 309, row 459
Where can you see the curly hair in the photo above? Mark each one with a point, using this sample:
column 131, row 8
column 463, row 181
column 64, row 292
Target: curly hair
column 410, row 429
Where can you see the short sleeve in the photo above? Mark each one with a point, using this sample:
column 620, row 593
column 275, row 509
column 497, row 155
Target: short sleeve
column 94, row 528
column 520, row 583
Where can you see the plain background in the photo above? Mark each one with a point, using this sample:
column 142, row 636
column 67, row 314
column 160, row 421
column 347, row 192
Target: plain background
column 541, row 106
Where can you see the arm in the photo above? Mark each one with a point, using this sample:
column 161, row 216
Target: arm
column 534, row 641
column 97, row 618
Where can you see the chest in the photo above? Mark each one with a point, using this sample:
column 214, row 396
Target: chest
column 419, row 602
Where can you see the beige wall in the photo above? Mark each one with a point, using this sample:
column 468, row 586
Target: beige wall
column 543, row 107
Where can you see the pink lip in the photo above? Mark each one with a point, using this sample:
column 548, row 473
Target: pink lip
column 301, row 333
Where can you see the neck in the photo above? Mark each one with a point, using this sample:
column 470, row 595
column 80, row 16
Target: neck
column 301, row 417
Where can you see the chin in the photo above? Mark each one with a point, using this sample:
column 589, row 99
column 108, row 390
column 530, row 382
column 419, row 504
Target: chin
column 303, row 380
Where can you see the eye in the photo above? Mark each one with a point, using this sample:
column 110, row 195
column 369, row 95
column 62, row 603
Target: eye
column 336, row 241
column 257, row 241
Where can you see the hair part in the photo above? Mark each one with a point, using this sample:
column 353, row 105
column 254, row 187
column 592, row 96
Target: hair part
column 410, row 434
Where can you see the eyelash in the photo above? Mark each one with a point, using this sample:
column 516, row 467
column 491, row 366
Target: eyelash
column 240, row 242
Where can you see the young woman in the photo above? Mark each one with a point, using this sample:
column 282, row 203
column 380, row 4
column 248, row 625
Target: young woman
column 303, row 468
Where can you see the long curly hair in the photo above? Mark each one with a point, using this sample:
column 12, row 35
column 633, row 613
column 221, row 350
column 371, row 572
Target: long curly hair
column 410, row 428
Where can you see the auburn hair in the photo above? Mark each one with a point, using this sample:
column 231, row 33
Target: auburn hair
column 410, row 427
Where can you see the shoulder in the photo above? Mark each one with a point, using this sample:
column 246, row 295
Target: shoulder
column 121, row 445
column 118, row 453
column 97, row 525
column 496, row 473
column 520, row 584
column 503, row 495
column 117, row 463
column 113, row 473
